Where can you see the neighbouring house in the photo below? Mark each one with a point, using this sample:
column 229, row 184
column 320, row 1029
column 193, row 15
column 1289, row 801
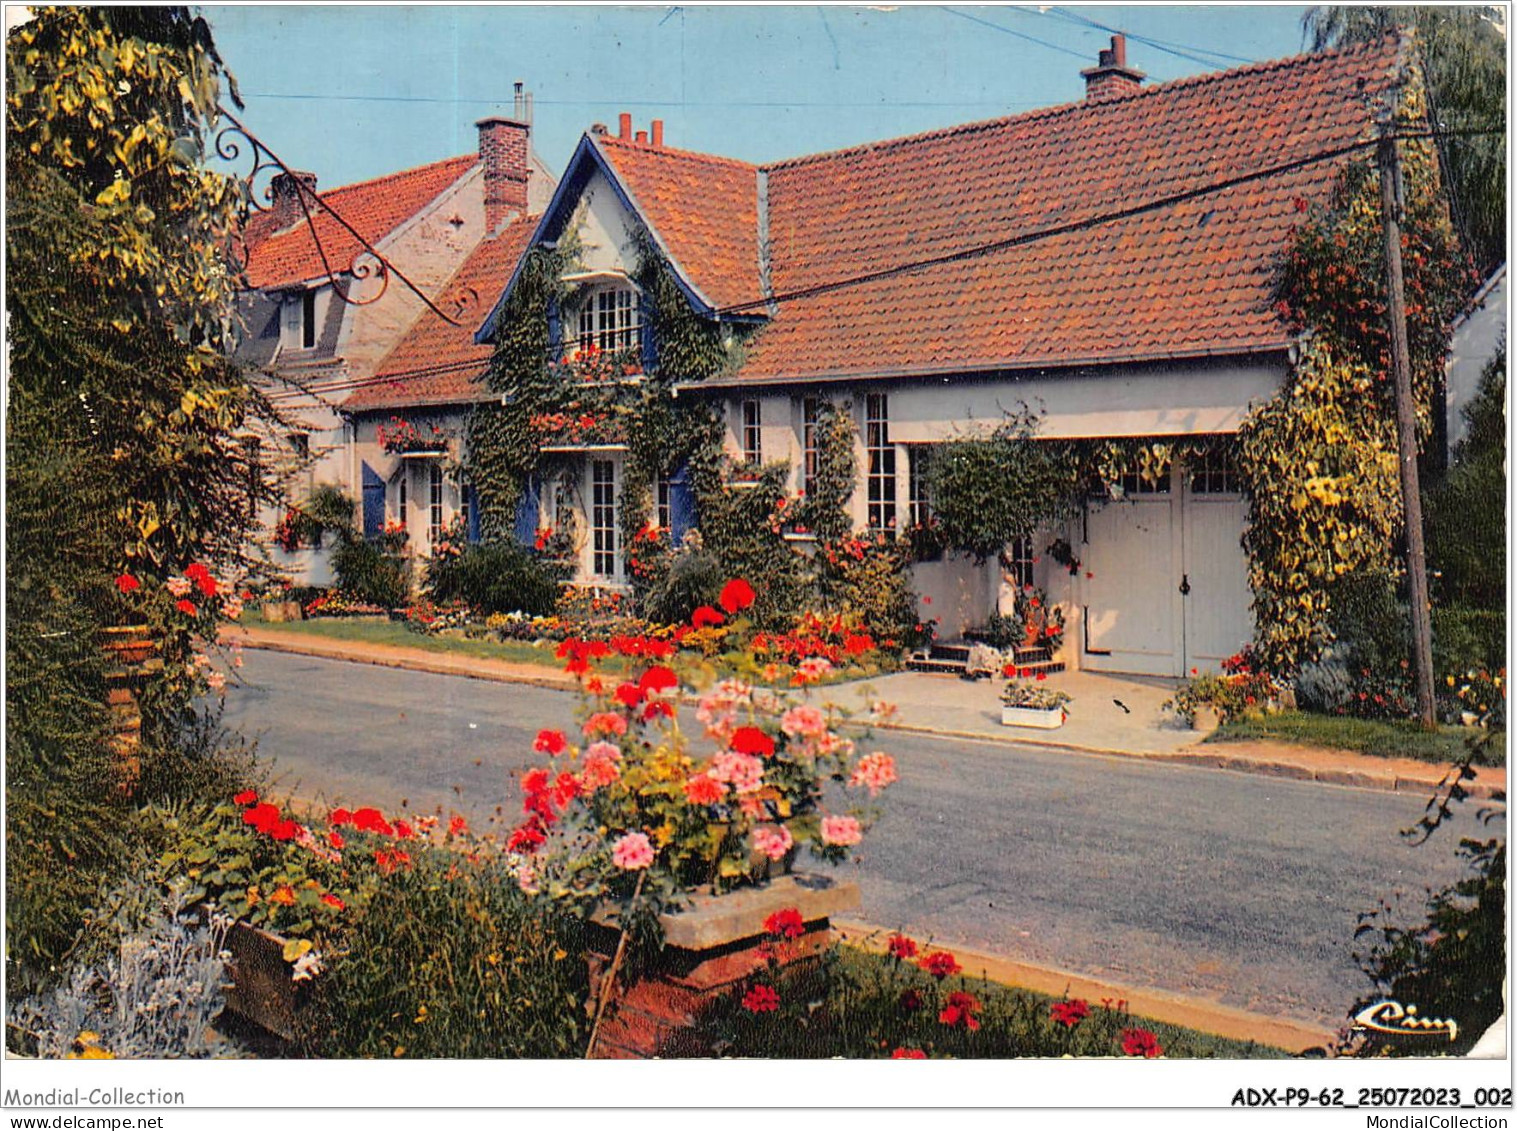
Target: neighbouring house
column 1478, row 334
column 320, row 311
column 889, row 279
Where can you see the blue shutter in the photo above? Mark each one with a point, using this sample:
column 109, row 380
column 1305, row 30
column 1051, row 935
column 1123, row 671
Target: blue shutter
column 471, row 497
column 373, row 502
column 648, row 338
column 681, row 504
column 555, row 329
column 526, row 513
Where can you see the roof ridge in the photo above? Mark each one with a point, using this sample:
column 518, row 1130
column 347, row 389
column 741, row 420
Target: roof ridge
column 471, row 158
column 671, row 151
column 1064, row 108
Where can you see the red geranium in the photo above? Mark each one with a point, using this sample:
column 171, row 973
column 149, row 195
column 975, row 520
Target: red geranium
column 403, row 830
column 1140, row 1042
column 706, row 616
column 334, row 838
column 126, row 582
column 908, row 1054
column 658, row 679
column 702, row 789
column 960, row 1011
column 940, row 964
column 899, row 946
column 262, row 816
column 341, row 817
column 332, row 901
column 786, row 922
column 736, row 596
column 527, row 838
column 761, row 999
column 1069, row 1013
column 246, row 797
column 372, row 821
column 657, row 707
column 751, row 740
column 457, row 826
column 187, row 607
column 550, row 742
column 629, row 695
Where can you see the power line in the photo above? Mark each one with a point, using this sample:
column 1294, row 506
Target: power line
column 1180, row 50
column 973, row 252
column 1010, row 31
column 639, row 104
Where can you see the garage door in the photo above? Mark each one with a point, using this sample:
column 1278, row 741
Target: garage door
column 1166, row 585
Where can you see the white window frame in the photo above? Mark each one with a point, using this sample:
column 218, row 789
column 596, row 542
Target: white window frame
column 605, row 530
column 434, row 502
column 611, row 319
column 751, row 432
column 880, row 483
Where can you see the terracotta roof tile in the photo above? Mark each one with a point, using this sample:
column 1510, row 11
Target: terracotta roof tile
column 375, row 208
column 704, row 209
column 437, row 363
column 1194, row 277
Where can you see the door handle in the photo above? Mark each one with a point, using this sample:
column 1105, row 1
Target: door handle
column 1185, row 585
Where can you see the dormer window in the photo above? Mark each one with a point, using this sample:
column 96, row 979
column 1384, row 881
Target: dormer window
column 302, row 313
column 608, row 321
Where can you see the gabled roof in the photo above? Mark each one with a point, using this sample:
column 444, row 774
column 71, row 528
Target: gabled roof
column 715, row 246
column 1190, row 279
column 437, row 363
column 376, row 208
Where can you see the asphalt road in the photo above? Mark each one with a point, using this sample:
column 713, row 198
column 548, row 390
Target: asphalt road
column 1226, row 886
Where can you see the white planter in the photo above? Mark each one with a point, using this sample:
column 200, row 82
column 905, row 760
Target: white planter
column 1041, row 718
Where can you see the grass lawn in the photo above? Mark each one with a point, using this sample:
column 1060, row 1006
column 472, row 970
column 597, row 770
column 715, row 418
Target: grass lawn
column 1368, row 736
column 375, row 631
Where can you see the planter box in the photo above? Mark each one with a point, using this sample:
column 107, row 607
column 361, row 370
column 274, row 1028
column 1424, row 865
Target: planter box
column 1040, row 718
column 709, row 950
column 261, row 990
column 277, row 612
column 1207, row 719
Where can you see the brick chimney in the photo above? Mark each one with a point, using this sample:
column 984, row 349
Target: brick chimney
column 505, row 151
column 284, row 195
column 624, row 126
column 1112, row 77
column 658, row 133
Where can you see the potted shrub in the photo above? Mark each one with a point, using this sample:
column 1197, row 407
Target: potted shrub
column 1026, row 702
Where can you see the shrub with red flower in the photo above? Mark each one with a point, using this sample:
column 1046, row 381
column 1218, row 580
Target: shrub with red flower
column 940, row 964
column 695, row 818
column 1140, row 1042
column 908, row 1054
column 786, row 923
column 761, row 999
column 1069, row 1013
column 961, row 1011
column 900, row 947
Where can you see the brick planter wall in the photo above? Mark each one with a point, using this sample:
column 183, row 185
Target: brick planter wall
column 709, row 951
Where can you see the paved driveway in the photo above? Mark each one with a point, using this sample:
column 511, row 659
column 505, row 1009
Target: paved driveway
column 1227, row 886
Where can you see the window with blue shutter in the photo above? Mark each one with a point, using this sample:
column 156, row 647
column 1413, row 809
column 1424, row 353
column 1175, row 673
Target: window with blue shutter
column 471, row 509
column 647, row 339
column 681, row 504
column 525, row 527
column 373, row 503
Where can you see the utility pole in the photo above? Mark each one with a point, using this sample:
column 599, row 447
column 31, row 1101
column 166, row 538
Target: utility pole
column 1406, row 423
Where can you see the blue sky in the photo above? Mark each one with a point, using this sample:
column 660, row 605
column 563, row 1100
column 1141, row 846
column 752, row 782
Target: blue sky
column 352, row 92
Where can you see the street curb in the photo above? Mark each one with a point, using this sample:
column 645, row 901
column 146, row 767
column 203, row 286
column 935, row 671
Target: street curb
column 1194, row 756
column 388, row 656
column 1157, row 1005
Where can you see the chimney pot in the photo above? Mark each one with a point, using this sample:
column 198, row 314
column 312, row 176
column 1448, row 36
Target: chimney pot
column 285, row 192
column 642, row 137
column 599, row 129
column 658, row 133
column 624, row 126
column 1112, row 77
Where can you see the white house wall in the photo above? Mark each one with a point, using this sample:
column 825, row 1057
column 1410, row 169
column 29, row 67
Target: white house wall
column 428, row 249
column 605, row 229
column 1476, row 338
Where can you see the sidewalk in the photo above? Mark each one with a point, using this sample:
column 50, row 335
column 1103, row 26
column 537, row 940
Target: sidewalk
column 948, row 706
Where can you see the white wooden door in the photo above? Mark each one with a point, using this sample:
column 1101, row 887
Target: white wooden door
column 1131, row 564
column 1217, row 620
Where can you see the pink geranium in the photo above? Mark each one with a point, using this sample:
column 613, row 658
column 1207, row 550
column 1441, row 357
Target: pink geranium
column 743, row 771
column 772, row 840
column 605, row 722
column 702, row 789
column 876, row 771
column 599, row 771
column 804, row 721
column 841, row 830
column 632, row 852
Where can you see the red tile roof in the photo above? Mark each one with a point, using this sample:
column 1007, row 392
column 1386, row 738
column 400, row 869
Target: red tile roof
column 375, row 208
column 435, row 362
column 704, row 209
column 1193, row 278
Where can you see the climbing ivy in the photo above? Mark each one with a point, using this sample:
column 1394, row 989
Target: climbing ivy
column 825, row 511
column 1319, row 459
